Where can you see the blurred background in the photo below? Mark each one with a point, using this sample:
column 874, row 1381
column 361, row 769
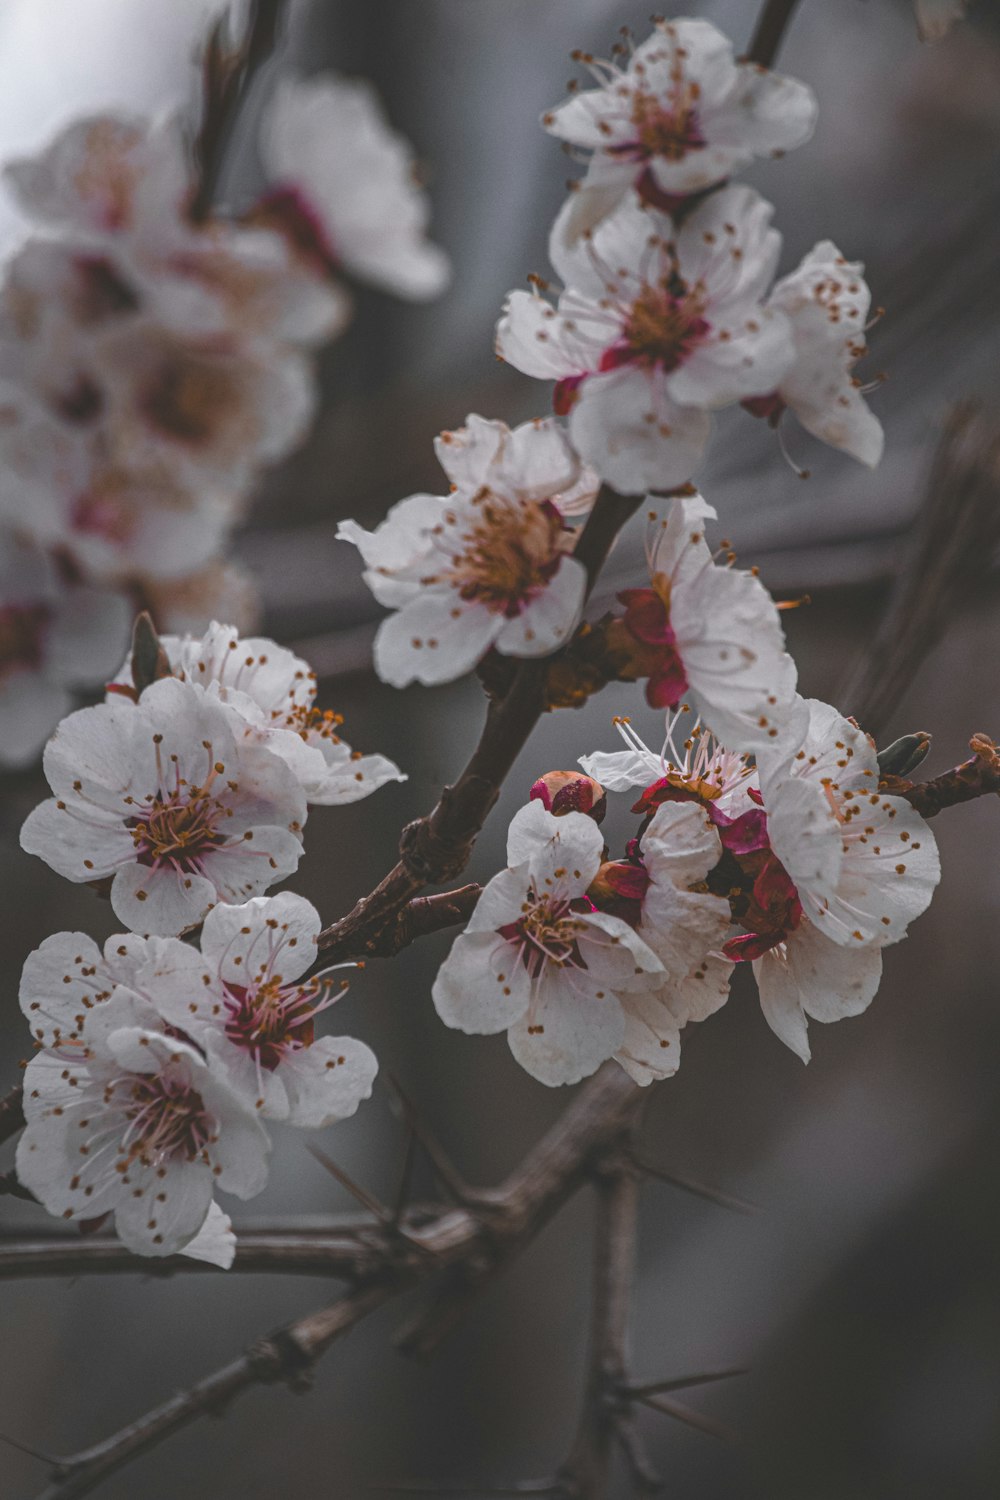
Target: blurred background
column 865, row 1296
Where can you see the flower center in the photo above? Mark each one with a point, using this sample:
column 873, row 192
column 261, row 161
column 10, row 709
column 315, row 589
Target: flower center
column 762, row 897
column 167, row 1120
column 546, row 932
column 268, row 1021
column 662, row 329
column 22, row 627
column 176, row 830
column 510, row 552
column 186, row 399
column 665, row 131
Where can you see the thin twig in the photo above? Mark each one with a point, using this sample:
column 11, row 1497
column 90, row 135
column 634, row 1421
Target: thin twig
column 227, row 78
column 490, row 1234
column 437, row 847
column 770, row 31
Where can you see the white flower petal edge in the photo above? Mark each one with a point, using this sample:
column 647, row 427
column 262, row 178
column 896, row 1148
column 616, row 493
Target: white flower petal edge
column 168, row 799
column 327, row 138
column 826, row 302
column 680, row 115
column 536, row 961
column 486, row 566
column 273, row 691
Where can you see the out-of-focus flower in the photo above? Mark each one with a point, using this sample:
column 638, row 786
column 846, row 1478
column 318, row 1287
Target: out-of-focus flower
column 539, row 961
column 489, row 564
column 105, row 175
column 344, row 186
column 169, row 800
column 657, row 326
column 240, row 1003
column 115, row 521
column 210, row 410
column 826, row 302
column 271, row 692
column 709, row 633
column 935, row 18
column 188, row 605
column 678, row 117
column 850, row 868
column 137, row 1123
column 55, row 635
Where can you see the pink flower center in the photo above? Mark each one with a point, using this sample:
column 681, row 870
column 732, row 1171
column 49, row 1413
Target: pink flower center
column 661, row 331
column 268, row 1021
column 168, row 1120
column 177, row 829
column 22, row 631
column 667, row 130
column 547, row 932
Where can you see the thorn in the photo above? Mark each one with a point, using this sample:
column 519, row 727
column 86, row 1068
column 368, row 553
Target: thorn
column 43, row 1458
column 690, row 1418
column 638, row 1391
column 644, row 1476
column 434, row 1487
column 448, row 1175
column 406, row 1173
column 363, row 1197
column 700, row 1190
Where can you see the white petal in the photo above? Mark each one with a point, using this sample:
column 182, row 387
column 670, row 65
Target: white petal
column 545, row 843
column 533, row 337
column 735, row 219
column 551, row 617
column 328, row 1080
column 215, row 1241
column 160, row 1215
column 434, row 638
column 625, row 424
column 163, row 901
column 481, row 987
column 567, row 1032
column 266, row 937
column 751, row 361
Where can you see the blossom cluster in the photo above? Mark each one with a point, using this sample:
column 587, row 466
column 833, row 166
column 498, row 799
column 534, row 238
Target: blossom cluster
column 153, row 360
column 765, row 834
column 157, row 1060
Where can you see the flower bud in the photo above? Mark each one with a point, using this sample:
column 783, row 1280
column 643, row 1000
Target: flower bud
column 619, row 888
column 570, row 791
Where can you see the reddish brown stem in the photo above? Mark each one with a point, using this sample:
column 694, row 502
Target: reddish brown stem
column 978, row 777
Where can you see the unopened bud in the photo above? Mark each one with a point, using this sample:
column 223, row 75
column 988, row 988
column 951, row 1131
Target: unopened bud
column 904, row 754
column 570, row 791
column 619, row 888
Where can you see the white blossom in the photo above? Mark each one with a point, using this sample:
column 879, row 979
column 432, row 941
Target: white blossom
column 862, row 863
column 656, row 327
column 220, row 591
column 486, row 566
column 271, row 691
column 710, row 633
column 116, row 521
column 243, row 1001
column 685, row 926
column 935, row 18
column 826, row 302
column 344, row 185
column 538, row 961
column 54, row 636
column 137, row 1123
column 169, row 800
column 679, row 116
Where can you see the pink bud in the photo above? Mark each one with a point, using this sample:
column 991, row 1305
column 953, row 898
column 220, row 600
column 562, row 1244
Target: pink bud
column 570, row 791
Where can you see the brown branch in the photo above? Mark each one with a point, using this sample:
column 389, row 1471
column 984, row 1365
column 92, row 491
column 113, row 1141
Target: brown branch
column 382, row 1260
column 769, row 31
column 978, row 777
column 419, row 918
column 605, row 1420
column 437, row 847
column 227, row 78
